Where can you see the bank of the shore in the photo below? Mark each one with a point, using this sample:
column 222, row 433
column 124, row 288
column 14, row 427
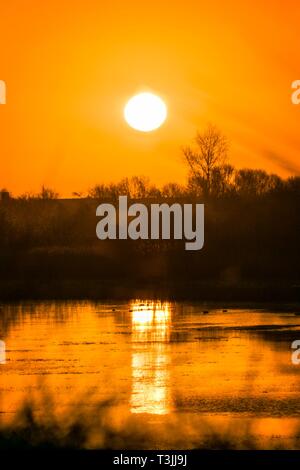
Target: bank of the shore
column 124, row 289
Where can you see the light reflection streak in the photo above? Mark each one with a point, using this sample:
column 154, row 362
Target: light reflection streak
column 150, row 358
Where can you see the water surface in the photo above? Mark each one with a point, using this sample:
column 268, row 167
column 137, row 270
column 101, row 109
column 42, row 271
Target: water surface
column 146, row 374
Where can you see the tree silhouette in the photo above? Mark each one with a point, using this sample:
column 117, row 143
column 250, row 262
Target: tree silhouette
column 252, row 182
column 209, row 154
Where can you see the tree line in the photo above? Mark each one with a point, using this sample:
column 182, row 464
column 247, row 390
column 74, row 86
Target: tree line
column 210, row 175
column 48, row 246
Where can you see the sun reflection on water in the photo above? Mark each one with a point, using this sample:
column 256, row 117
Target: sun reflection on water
column 151, row 323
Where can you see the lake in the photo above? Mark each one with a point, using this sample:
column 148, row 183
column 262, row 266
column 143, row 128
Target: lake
column 148, row 374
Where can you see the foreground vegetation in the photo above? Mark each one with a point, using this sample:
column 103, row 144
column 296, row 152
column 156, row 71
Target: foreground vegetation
column 100, row 428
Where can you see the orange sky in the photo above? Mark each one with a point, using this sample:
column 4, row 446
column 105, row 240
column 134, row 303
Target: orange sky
column 70, row 66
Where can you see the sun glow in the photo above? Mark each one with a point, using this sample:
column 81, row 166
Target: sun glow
column 145, row 112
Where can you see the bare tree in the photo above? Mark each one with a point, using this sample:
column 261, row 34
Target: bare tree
column 209, row 153
column 251, row 182
column 222, row 180
column 44, row 193
column 47, row 193
column 138, row 187
column 135, row 187
column 172, row 190
column 292, row 184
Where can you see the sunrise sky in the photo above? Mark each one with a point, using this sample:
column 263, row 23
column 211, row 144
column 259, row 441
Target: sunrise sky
column 71, row 66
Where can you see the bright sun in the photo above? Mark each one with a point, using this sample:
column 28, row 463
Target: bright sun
column 145, row 112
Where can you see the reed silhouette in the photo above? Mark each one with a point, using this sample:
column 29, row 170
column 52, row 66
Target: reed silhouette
column 95, row 429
